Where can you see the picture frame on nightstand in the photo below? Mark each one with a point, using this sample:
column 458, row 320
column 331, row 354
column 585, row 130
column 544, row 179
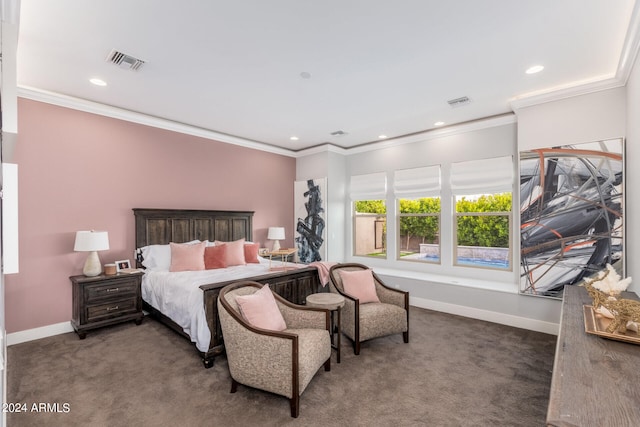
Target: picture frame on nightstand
column 124, row 264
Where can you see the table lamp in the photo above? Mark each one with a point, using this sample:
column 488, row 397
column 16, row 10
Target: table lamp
column 92, row 242
column 276, row 234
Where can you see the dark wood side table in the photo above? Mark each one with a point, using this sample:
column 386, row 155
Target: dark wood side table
column 334, row 303
column 105, row 300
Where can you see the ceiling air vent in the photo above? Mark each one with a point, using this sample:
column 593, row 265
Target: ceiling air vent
column 459, row 102
column 125, row 61
column 338, row 133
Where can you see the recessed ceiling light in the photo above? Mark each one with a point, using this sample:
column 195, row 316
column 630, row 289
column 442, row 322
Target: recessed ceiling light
column 98, row 82
column 383, row 136
column 534, row 69
column 438, row 123
column 294, row 138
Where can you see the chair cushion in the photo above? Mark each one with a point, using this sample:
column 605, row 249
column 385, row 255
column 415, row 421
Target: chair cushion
column 360, row 284
column 378, row 320
column 261, row 310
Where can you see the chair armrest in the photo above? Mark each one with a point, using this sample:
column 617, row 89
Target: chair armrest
column 390, row 295
column 302, row 317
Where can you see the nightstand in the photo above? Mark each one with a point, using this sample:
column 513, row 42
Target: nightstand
column 105, row 300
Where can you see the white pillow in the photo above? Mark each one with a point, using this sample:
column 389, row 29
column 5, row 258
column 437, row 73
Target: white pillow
column 158, row 257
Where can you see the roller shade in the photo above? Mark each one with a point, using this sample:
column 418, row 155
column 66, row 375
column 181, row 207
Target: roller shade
column 372, row 186
column 417, row 182
column 493, row 175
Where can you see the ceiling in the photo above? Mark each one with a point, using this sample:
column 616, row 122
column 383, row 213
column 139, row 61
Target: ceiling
column 264, row 71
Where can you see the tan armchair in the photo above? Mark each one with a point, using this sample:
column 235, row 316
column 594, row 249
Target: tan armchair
column 281, row 362
column 362, row 322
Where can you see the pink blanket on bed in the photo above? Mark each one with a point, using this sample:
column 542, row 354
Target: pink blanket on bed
column 323, row 270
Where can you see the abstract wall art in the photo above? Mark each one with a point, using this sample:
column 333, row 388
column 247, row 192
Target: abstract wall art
column 309, row 204
column 571, row 214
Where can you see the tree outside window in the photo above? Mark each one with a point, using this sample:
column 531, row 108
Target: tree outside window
column 419, row 229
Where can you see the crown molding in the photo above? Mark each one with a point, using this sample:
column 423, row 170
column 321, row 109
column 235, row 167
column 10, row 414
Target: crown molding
column 565, row 92
column 324, row 148
column 455, row 129
column 143, row 119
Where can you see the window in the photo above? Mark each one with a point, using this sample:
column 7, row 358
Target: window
column 418, row 212
column 483, row 201
column 368, row 194
column 370, row 228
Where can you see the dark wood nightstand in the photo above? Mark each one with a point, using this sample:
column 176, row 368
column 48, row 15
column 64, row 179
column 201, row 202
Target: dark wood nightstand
column 104, row 300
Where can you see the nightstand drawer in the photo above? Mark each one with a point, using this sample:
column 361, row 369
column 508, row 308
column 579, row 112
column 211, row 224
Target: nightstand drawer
column 111, row 309
column 113, row 289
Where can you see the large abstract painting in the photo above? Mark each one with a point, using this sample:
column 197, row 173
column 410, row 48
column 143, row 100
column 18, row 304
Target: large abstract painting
column 310, row 219
column 571, row 222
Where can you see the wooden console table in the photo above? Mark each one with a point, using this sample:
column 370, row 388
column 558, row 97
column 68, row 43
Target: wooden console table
column 596, row 381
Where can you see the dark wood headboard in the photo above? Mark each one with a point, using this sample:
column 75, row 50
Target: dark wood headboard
column 161, row 226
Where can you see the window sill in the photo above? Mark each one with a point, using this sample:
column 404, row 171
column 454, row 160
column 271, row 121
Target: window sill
column 490, row 285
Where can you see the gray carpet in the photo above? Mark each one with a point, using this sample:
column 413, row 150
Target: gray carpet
column 454, row 372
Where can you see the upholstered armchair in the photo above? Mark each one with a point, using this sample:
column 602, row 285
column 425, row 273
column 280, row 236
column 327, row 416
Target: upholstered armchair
column 362, row 320
column 278, row 361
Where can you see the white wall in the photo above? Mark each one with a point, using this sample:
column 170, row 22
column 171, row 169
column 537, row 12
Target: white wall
column 586, row 118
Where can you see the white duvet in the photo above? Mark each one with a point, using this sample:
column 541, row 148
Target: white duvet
column 179, row 297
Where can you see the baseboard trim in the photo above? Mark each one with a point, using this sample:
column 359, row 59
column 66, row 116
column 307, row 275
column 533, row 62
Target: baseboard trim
column 489, row 316
column 37, row 333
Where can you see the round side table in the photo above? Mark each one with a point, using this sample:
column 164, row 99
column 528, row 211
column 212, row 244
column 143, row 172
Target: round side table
column 334, row 303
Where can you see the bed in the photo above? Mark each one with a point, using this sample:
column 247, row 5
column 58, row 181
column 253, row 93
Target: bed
column 162, row 226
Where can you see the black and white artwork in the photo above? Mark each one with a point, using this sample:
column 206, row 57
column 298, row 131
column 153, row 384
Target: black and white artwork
column 310, row 219
column 571, row 218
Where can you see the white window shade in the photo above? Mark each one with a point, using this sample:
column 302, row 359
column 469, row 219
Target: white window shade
column 372, row 186
column 417, row 182
column 493, row 175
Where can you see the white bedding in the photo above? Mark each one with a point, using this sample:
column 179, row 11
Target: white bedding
column 179, row 297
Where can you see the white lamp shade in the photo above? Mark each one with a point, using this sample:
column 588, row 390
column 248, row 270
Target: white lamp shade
column 87, row 241
column 275, row 233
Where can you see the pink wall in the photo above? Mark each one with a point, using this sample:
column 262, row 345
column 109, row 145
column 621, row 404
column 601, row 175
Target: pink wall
column 79, row 171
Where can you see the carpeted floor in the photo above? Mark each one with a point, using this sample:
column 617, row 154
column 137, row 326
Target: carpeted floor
column 454, row 372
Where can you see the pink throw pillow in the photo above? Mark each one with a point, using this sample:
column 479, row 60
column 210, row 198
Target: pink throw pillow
column 215, row 257
column 235, row 252
column 360, row 284
column 251, row 253
column 187, row 257
column 261, row 310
